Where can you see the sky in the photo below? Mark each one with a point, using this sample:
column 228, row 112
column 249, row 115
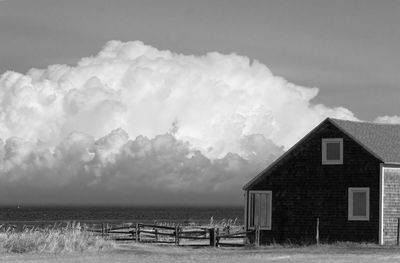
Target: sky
column 114, row 101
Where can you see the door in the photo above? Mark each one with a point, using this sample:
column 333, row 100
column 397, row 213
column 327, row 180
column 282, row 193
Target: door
column 260, row 209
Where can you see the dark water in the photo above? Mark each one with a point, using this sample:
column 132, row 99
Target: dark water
column 47, row 215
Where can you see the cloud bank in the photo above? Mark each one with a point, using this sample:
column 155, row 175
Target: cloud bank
column 134, row 124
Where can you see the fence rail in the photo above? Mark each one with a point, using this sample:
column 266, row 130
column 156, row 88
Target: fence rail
column 177, row 235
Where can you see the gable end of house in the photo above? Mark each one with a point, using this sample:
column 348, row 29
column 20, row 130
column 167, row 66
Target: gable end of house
column 305, row 139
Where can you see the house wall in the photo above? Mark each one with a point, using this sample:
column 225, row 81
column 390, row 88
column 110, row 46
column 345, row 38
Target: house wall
column 391, row 204
column 303, row 190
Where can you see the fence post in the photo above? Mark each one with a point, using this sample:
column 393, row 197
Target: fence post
column 179, row 232
column 398, row 231
column 317, row 234
column 156, row 234
column 137, row 233
column 217, row 237
column 177, row 235
column 102, row 230
column 257, row 237
column 212, row 237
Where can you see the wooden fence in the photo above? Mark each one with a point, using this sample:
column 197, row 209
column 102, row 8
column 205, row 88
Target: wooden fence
column 177, row 235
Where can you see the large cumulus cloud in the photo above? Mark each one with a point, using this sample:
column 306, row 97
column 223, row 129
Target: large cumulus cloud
column 133, row 120
column 115, row 169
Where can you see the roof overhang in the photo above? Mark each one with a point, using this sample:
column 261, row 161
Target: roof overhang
column 276, row 162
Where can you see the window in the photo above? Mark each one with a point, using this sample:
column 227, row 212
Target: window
column 358, row 204
column 332, row 151
column 260, row 204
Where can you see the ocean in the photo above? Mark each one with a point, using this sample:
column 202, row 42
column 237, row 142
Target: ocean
column 47, row 215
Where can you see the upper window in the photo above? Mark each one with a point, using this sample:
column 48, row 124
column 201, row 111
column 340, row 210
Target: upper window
column 358, row 203
column 332, row 151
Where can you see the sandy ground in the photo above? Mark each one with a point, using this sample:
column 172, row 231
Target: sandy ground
column 152, row 253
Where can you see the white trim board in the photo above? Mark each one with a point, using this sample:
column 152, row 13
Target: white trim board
column 246, row 200
column 351, row 191
column 381, row 194
column 324, row 151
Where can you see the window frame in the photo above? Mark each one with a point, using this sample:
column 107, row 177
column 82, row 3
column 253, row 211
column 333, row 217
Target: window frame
column 352, row 190
column 250, row 211
column 325, row 141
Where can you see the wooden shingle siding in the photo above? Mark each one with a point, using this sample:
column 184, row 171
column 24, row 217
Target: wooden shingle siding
column 303, row 190
column 391, row 204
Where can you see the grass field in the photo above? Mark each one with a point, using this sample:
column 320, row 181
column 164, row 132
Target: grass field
column 69, row 238
column 70, row 244
column 154, row 253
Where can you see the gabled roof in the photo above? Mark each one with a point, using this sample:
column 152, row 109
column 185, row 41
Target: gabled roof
column 381, row 140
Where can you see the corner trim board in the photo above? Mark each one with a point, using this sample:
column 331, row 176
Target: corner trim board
column 246, row 212
column 381, row 199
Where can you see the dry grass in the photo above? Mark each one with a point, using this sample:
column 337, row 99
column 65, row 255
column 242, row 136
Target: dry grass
column 69, row 238
column 66, row 244
column 146, row 253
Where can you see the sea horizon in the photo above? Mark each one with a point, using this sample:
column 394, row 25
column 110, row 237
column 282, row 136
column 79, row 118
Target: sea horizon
column 47, row 214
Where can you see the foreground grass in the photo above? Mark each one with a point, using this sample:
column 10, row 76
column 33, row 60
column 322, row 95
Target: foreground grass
column 71, row 244
column 153, row 253
column 69, row 238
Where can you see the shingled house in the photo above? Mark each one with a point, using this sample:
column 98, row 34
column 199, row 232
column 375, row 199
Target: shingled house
column 346, row 174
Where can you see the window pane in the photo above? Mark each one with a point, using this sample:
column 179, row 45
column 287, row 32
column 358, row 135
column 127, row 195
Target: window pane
column 263, row 209
column 268, row 215
column 333, row 151
column 257, row 209
column 251, row 210
column 359, row 203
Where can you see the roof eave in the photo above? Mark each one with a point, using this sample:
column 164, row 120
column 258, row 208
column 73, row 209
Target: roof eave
column 259, row 175
column 392, row 163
